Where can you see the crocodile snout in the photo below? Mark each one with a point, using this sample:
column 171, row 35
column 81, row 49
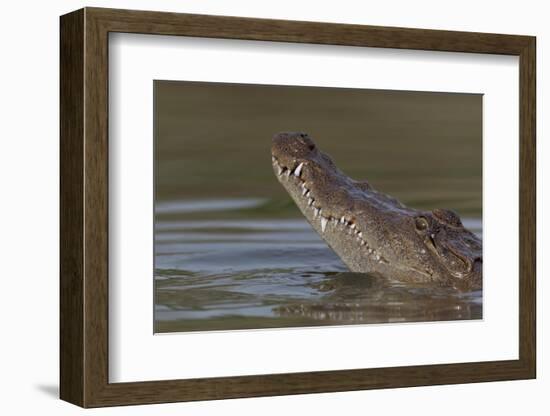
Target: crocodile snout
column 293, row 144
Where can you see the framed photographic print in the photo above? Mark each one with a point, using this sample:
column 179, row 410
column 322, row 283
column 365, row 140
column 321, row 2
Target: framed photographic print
column 255, row 207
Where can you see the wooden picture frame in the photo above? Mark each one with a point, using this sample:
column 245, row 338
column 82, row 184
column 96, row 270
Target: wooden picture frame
column 84, row 207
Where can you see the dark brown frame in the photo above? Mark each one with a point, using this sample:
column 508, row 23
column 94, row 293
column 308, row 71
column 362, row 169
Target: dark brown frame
column 84, row 211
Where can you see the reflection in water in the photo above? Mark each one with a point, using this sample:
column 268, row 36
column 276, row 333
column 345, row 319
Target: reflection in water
column 360, row 298
column 267, row 273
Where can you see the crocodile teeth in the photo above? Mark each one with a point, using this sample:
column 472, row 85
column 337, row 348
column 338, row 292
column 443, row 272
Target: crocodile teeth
column 279, row 169
column 298, row 170
column 353, row 226
column 310, row 202
column 305, row 191
column 323, row 223
column 316, row 212
column 287, row 173
column 342, row 220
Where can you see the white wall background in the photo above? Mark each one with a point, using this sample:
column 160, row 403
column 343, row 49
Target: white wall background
column 29, row 211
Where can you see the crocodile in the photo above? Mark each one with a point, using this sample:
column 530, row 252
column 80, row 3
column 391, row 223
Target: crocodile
column 373, row 232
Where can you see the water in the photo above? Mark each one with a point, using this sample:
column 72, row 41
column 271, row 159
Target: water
column 233, row 251
column 223, row 274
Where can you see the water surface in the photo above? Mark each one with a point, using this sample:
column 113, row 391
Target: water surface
column 222, row 274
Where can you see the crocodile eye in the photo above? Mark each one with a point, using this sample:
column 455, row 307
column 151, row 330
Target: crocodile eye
column 421, row 223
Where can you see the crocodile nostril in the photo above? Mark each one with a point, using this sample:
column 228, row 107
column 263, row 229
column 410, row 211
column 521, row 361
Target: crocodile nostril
column 305, row 140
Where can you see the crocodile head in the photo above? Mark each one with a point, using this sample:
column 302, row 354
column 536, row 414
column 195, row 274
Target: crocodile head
column 370, row 231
